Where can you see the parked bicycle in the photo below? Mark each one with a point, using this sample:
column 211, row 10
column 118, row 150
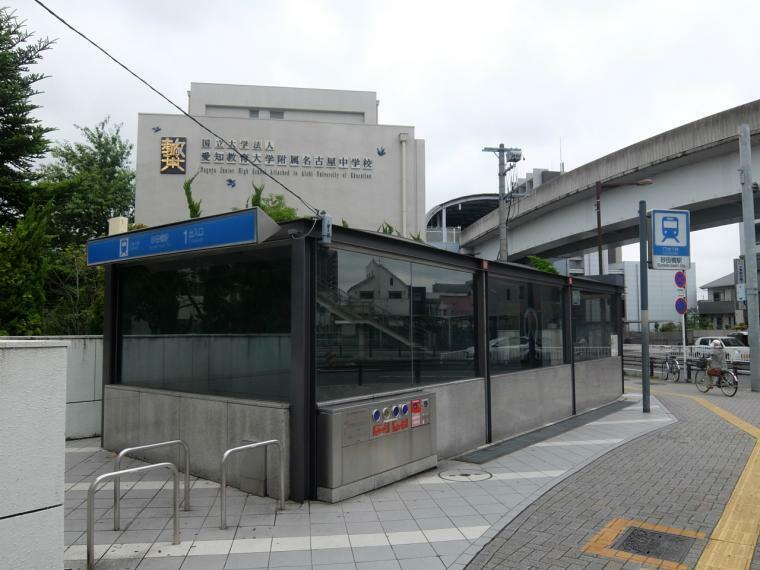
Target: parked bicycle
column 705, row 379
column 671, row 369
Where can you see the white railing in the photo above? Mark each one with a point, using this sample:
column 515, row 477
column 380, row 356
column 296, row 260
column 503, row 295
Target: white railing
column 733, row 353
column 437, row 235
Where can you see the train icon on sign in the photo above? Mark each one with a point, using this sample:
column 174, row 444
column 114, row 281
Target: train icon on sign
column 669, row 228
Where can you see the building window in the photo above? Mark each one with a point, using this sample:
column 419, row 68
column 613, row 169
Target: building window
column 276, row 114
column 217, row 325
column 366, row 295
column 253, row 113
column 595, row 321
column 418, row 330
column 525, row 325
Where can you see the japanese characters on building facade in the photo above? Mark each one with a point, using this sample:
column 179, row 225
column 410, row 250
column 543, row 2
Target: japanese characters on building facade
column 173, row 155
column 216, row 157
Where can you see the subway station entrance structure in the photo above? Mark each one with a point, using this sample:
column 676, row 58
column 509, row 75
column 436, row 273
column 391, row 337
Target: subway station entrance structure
column 370, row 358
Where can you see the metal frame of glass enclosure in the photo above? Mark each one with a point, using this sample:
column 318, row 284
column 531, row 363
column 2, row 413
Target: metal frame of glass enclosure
column 517, row 317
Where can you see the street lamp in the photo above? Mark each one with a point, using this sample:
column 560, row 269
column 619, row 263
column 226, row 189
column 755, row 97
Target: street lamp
column 599, row 186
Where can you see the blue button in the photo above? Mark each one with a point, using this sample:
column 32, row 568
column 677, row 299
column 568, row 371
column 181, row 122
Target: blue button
column 396, row 411
column 404, row 409
column 376, row 415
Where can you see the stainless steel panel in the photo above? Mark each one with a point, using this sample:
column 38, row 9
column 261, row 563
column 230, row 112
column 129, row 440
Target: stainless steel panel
column 359, row 440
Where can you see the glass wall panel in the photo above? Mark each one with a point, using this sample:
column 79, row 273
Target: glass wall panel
column 443, row 328
column 363, row 321
column 595, row 320
column 217, row 325
column 383, row 324
column 525, row 325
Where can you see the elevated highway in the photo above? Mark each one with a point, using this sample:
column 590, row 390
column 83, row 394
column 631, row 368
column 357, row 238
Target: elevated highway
column 693, row 167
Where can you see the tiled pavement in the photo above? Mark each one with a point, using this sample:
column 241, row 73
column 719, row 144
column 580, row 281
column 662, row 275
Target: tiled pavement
column 423, row 522
column 680, row 476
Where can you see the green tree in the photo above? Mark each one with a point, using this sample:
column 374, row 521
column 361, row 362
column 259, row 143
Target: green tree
column 22, row 137
column 273, row 205
column 88, row 182
column 23, row 269
column 696, row 321
column 542, row 264
column 74, row 294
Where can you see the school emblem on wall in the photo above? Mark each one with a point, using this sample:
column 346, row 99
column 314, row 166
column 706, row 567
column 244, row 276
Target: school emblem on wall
column 173, row 155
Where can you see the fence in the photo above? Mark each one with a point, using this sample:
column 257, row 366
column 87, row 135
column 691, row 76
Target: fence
column 738, row 363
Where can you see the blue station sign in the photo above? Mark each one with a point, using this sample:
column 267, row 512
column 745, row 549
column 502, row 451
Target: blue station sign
column 670, row 239
column 236, row 228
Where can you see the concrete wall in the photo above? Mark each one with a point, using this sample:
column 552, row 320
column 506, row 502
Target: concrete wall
column 208, row 424
column 460, row 423
column 597, row 382
column 84, row 383
column 314, row 104
column 32, row 419
column 363, row 196
column 526, row 400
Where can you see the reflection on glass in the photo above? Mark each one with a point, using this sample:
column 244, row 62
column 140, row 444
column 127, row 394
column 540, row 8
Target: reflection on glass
column 444, row 324
column 594, row 321
column 525, row 326
column 218, row 326
column 384, row 324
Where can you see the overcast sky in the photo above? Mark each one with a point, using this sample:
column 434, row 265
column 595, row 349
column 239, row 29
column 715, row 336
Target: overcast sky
column 600, row 75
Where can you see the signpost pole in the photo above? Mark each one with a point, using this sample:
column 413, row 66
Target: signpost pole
column 750, row 254
column 683, row 328
column 644, row 309
column 682, row 306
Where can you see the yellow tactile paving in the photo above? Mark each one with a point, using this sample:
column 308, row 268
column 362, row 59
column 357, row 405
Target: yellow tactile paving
column 600, row 543
column 732, row 543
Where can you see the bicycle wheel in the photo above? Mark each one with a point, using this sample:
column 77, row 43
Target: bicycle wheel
column 676, row 372
column 701, row 381
column 728, row 384
column 665, row 371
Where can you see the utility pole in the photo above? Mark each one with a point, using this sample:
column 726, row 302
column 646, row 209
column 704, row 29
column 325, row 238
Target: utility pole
column 750, row 253
column 599, row 226
column 644, row 307
column 511, row 155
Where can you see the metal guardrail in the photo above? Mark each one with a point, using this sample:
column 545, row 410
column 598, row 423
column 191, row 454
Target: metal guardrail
column 228, row 453
column 117, row 481
column 115, row 475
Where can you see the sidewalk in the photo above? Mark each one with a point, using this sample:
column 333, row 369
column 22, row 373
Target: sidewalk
column 677, row 480
column 423, row 522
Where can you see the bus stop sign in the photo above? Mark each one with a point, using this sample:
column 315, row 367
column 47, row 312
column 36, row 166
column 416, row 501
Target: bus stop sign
column 669, row 239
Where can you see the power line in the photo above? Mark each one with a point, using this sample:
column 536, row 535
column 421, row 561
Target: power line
column 231, row 147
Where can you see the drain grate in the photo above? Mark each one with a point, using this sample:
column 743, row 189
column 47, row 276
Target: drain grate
column 463, row 475
column 654, row 544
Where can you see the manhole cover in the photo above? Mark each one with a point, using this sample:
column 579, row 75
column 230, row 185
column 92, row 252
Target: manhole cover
column 654, row 544
column 465, row 475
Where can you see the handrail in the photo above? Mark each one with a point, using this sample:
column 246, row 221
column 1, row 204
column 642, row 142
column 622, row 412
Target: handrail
column 115, row 475
column 224, row 474
column 117, row 482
